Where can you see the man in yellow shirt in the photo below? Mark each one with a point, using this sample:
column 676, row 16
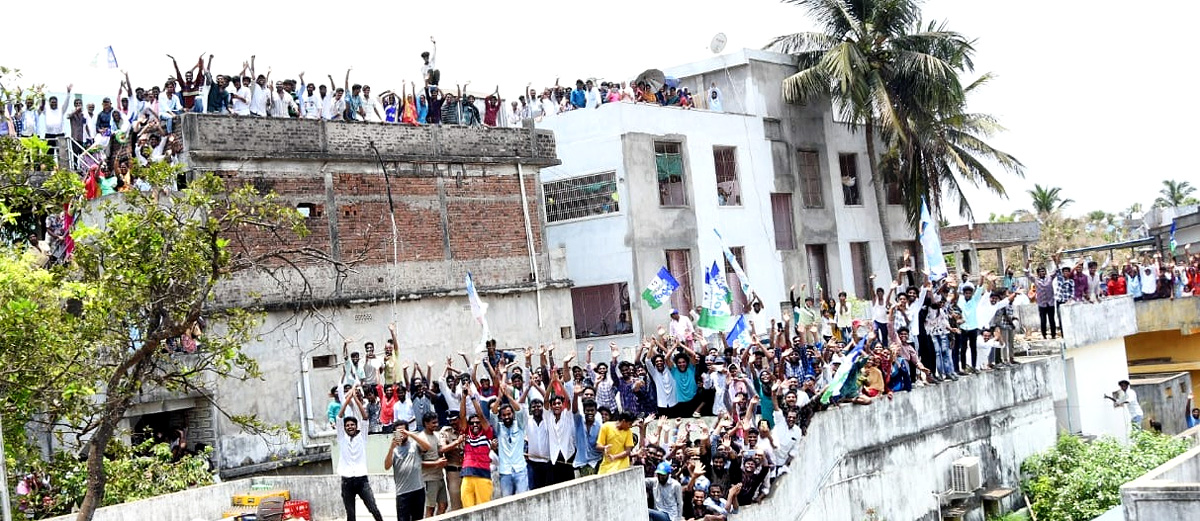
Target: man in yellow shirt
column 616, row 442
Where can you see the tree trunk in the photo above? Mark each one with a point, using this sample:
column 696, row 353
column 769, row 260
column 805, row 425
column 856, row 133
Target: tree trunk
column 95, row 470
column 878, row 184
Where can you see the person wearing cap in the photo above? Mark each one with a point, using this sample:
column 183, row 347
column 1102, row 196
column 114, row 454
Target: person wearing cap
column 451, row 442
column 666, row 492
column 680, row 327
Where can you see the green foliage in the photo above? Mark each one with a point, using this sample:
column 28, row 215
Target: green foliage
column 1078, row 481
column 1019, row 515
column 80, row 342
column 134, row 473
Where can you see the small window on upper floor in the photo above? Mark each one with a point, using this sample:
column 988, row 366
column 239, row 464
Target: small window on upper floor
column 729, row 193
column 668, row 162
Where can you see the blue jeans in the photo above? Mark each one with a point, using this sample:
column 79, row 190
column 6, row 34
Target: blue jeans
column 941, row 345
column 514, row 483
column 198, row 105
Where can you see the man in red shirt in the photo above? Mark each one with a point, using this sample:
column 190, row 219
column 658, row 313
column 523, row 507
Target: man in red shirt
column 1116, row 284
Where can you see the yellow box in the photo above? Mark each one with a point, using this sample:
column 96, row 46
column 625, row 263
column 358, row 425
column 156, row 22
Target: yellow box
column 254, row 497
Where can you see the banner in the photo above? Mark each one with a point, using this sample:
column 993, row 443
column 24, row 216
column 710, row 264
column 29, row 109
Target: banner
column 660, row 289
column 717, row 312
column 737, row 267
column 739, row 337
column 105, row 58
column 843, row 372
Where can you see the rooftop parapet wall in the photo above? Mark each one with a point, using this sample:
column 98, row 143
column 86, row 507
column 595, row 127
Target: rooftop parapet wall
column 215, row 137
column 1167, row 492
column 1084, row 324
column 1169, row 314
column 990, row 235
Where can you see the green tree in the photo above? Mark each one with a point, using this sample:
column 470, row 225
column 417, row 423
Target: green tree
column 872, row 64
column 946, row 147
column 1175, row 193
column 81, row 341
column 1047, row 200
column 1078, row 481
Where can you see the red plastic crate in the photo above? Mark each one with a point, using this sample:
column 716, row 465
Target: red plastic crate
column 297, row 509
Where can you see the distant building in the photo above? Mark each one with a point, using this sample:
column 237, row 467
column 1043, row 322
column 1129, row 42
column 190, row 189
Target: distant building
column 643, row 186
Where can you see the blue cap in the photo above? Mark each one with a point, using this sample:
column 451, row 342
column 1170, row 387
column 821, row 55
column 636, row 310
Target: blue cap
column 674, row 311
column 663, row 468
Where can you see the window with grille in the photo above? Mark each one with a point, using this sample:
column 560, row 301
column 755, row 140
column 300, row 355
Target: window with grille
column 781, row 213
column 810, row 179
column 851, row 194
column 679, row 263
column 601, row 310
column 580, row 197
column 728, row 191
column 860, row 254
column 741, row 301
column 668, row 163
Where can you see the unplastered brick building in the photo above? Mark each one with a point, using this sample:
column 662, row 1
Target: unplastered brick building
column 464, row 200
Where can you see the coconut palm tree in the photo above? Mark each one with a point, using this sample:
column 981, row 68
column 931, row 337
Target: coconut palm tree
column 1047, row 200
column 868, row 59
column 1175, row 193
column 944, row 150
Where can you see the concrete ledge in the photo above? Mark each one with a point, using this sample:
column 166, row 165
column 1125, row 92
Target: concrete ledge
column 612, row 497
column 1167, row 492
column 1085, row 324
column 1169, row 314
column 211, row 137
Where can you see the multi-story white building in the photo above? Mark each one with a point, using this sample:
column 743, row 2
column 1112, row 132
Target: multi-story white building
column 643, row 186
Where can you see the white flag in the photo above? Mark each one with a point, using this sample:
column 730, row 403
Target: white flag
column 931, row 243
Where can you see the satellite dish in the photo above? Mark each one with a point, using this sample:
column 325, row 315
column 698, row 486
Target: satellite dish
column 718, row 43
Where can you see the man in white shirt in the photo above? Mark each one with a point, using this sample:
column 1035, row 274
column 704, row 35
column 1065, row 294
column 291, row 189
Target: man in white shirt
column 352, row 466
column 281, row 102
column 591, row 96
column 429, row 70
column 560, row 430
column 53, row 116
column 311, row 104
column 169, row 106
column 537, row 434
column 240, row 96
column 681, row 327
column 786, row 437
column 758, row 319
column 335, row 104
column 1129, row 398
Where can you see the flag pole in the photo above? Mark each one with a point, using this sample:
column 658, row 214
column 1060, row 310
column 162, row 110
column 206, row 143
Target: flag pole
column 5, row 504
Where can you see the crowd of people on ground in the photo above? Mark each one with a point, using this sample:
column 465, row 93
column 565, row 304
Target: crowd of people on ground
column 713, row 423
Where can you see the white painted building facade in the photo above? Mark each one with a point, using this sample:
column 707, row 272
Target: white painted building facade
column 768, row 175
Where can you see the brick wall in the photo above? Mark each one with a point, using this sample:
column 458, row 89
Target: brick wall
column 455, row 214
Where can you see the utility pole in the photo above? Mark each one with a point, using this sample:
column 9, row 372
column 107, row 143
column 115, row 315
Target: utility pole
column 5, row 504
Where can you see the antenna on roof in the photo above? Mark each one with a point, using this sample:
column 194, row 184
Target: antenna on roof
column 718, row 43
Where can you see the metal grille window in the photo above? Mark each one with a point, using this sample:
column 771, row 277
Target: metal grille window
column 810, row 179
column 668, row 163
column 581, row 197
column 851, row 195
column 601, row 310
column 728, row 191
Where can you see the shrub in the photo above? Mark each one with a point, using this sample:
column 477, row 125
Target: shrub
column 1078, row 481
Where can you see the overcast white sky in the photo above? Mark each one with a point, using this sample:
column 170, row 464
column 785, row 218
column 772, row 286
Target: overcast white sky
column 1071, row 88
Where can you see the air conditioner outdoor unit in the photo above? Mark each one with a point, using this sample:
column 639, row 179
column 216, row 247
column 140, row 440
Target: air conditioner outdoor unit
column 966, row 476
